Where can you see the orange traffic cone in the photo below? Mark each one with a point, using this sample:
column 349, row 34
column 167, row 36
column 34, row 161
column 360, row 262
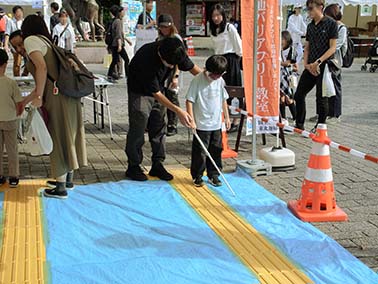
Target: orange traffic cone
column 226, row 152
column 190, row 51
column 317, row 202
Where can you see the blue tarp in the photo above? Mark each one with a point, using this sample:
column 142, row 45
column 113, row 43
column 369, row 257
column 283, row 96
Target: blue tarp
column 321, row 258
column 132, row 232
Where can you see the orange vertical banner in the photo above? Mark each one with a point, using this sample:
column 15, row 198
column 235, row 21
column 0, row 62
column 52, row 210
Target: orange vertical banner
column 268, row 65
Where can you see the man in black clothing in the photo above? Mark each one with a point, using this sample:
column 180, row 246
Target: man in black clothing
column 54, row 19
column 150, row 22
column 148, row 70
column 320, row 48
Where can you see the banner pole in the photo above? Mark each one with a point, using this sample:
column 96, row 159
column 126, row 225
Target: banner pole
column 254, row 78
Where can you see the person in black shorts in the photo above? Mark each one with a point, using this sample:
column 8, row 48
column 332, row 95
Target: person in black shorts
column 148, row 71
column 320, row 48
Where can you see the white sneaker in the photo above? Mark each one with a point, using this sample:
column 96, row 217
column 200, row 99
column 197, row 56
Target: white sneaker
column 333, row 120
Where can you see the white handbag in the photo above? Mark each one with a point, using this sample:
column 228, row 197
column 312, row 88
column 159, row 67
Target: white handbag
column 38, row 139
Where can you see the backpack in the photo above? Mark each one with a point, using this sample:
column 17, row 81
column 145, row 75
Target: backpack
column 348, row 57
column 3, row 24
column 74, row 79
column 109, row 33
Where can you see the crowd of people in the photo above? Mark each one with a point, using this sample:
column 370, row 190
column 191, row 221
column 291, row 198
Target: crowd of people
column 152, row 87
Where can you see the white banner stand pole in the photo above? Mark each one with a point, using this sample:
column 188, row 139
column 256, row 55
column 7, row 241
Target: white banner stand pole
column 255, row 167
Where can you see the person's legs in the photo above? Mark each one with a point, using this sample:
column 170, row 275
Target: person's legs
column 10, row 141
column 299, row 49
column 157, row 133
column 305, row 85
column 16, row 64
column 115, row 59
column 335, row 102
column 215, row 150
column 126, row 60
column 321, row 102
column 198, row 164
column 139, row 111
column 171, row 115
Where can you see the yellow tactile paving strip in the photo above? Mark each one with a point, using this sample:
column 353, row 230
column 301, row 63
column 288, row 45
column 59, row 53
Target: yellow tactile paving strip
column 258, row 254
column 23, row 255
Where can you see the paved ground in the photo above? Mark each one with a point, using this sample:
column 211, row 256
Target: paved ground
column 356, row 181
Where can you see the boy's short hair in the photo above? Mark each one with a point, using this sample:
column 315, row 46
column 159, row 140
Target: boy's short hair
column 15, row 34
column 287, row 36
column 172, row 50
column 315, row 2
column 3, row 57
column 17, row 7
column 54, row 6
column 216, row 64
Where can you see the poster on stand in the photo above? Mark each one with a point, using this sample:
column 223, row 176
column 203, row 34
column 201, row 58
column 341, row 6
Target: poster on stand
column 196, row 19
column 132, row 11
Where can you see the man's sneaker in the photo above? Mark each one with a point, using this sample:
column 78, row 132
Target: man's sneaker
column 198, row 182
column 215, row 181
column 171, row 130
column 52, row 184
column 233, row 128
column 13, row 182
column 54, row 193
column 136, row 173
column 314, row 118
column 333, row 120
column 158, row 170
column 2, row 180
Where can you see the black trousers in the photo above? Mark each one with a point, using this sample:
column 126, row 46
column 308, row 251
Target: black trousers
column 335, row 102
column 172, row 116
column 145, row 113
column 115, row 60
column 306, row 83
column 213, row 143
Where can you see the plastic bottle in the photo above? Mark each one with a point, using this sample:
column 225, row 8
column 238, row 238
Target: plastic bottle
column 234, row 104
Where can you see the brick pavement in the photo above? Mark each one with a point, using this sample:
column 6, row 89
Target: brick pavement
column 355, row 180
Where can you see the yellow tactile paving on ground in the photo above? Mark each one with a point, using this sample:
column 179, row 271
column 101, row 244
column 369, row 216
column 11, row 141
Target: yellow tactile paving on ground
column 257, row 253
column 23, row 256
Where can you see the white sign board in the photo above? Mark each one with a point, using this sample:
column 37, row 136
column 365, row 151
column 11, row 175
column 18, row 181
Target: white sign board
column 145, row 36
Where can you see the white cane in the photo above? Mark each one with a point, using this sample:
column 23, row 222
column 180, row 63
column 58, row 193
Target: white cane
column 212, row 161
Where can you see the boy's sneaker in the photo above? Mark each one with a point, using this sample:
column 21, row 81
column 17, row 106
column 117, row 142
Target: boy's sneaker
column 54, row 193
column 52, row 184
column 215, row 181
column 171, row 130
column 158, row 170
column 2, row 180
column 13, row 182
column 198, row 182
column 136, row 173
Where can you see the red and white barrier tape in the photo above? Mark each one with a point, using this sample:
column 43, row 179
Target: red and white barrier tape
column 308, row 134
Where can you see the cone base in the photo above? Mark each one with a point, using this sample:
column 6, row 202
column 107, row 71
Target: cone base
column 229, row 154
column 336, row 216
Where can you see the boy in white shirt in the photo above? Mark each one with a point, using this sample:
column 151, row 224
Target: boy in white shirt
column 10, row 96
column 205, row 100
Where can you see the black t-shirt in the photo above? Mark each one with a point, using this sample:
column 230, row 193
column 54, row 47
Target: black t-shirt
column 147, row 73
column 54, row 20
column 319, row 36
column 148, row 19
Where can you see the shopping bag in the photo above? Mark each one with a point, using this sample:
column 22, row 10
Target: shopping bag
column 38, row 139
column 328, row 85
column 107, row 60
